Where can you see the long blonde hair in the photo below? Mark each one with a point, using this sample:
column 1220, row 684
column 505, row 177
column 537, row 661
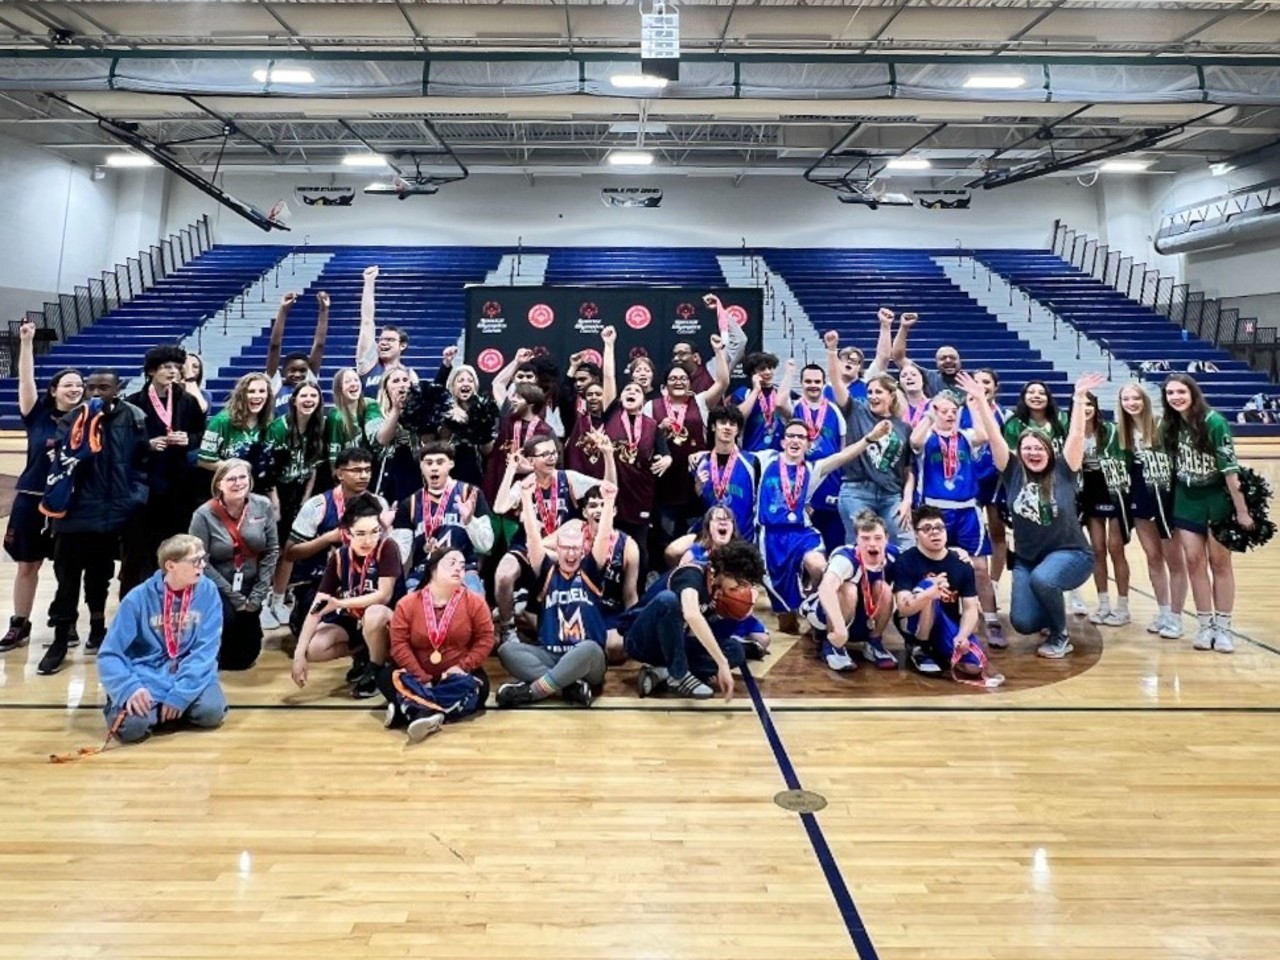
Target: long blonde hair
column 1146, row 424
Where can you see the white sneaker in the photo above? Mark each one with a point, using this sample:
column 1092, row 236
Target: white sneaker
column 1100, row 615
column 1204, row 639
column 507, row 633
column 1158, row 622
column 268, row 617
column 1117, row 618
column 1055, row 648
column 281, row 609
column 1078, row 607
column 840, row 661
column 424, row 727
column 1222, row 641
column 1172, row 627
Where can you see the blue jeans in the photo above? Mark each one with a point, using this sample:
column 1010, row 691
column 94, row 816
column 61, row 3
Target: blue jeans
column 1037, row 591
column 856, row 497
column 207, row 710
column 659, row 638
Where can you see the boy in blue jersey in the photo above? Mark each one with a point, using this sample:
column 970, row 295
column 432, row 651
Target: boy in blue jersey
column 759, row 403
column 569, row 658
column 937, row 601
column 854, row 601
column 792, row 548
column 826, row 427
column 725, row 475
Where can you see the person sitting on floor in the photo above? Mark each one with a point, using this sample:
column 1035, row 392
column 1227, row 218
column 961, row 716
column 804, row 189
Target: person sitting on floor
column 159, row 661
column 440, row 637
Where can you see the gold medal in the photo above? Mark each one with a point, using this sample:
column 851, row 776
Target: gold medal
column 436, row 656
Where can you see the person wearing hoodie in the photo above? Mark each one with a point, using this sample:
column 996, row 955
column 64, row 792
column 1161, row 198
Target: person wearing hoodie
column 159, row 662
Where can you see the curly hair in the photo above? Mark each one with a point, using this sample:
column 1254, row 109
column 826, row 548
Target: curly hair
column 238, row 404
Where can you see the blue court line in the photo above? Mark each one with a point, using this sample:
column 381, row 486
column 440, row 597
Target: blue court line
column 835, row 881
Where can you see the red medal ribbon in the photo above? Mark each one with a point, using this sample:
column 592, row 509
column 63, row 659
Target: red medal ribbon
column 355, row 587
column 720, row 481
column 172, row 631
column 677, row 415
column 436, row 629
column 868, row 598
column 768, row 403
column 433, row 520
column 517, row 443
column 163, row 410
column 340, row 507
column 633, row 431
column 814, row 425
column 950, row 454
column 548, row 507
column 238, row 548
column 790, row 494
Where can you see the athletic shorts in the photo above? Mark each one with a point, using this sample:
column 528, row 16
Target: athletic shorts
column 1198, row 508
column 355, row 639
column 966, row 530
column 991, row 490
column 1094, row 498
column 723, row 629
column 28, row 537
column 1149, row 503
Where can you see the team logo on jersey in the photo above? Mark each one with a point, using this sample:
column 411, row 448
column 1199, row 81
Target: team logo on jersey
column 571, row 629
column 1028, row 505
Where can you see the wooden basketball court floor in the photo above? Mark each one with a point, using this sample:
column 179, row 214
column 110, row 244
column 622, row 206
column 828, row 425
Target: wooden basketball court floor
column 1124, row 804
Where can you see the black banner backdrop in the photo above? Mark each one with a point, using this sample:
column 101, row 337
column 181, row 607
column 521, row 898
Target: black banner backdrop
column 564, row 320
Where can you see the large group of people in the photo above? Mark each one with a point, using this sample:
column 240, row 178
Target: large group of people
column 569, row 520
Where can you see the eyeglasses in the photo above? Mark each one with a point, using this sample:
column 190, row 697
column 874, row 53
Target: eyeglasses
column 199, row 560
column 932, row 528
column 795, row 436
column 366, row 533
column 547, row 455
column 365, row 469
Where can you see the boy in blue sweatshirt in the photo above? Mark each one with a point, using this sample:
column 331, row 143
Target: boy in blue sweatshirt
column 159, row 661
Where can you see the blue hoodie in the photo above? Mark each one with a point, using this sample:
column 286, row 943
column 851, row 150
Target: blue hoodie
column 133, row 655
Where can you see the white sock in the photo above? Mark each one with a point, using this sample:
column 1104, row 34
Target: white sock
column 1104, row 602
column 990, row 617
column 1122, row 604
column 1206, row 619
column 1163, row 612
column 1222, row 621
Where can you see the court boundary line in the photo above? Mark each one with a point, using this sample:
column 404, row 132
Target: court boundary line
column 853, row 922
column 1234, row 632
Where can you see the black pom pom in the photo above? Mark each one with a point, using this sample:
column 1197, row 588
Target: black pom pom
column 1257, row 498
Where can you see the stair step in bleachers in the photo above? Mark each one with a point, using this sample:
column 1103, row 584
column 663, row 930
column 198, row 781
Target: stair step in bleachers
column 1135, row 333
column 633, row 266
column 166, row 313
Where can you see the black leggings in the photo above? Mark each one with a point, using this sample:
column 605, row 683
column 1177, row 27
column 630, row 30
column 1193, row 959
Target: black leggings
column 241, row 639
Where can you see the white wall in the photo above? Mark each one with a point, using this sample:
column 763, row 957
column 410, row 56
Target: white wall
column 141, row 201
column 567, row 211
column 56, row 226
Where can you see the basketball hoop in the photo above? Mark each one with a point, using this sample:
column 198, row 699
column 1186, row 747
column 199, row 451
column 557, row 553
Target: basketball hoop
column 280, row 213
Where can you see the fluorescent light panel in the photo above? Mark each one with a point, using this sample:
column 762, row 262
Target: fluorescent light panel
column 1220, row 169
column 908, row 163
column 637, row 81
column 364, row 160
column 978, row 82
column 284, row 75
column 1125, row 166
column 630, row 158
column 129, row 160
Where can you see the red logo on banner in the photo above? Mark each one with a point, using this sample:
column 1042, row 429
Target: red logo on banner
column 738, row 315
column 686, row 311
column 490, row 360
column 637, row 352
column 541, row 315
column 638, row 317
column 492, row 309
column 592, row 356
column 588, row 311
column 540, row 351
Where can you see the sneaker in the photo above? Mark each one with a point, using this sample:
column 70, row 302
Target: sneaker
column 359, row 667
column 507, row 633
column 267, row 617
column 1078, row 607
column 424, row 727
column 97, row 633
column 19, row 635
column 873, row 651
column 514, row 694
column 1158, row 622
column 754, row 650
column 578, row 692
column 280, row 610
column 1117, row 618
column 996, row 638
column 922, row 663
column 652, row 680
column 1204, row 639
column 1055, row 648
column 392, row 715
column 51, row 662
column 691, row 686
column 1222, row 641
column 1172, row 629
column 1100, row 615
column 838, row 659
column 366, row 687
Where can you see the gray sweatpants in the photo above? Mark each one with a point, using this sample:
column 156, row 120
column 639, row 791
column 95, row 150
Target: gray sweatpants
column 527, row 662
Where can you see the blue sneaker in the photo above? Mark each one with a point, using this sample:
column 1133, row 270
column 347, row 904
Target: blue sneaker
column 873, row 651
column 837, row 659
column 922, row 663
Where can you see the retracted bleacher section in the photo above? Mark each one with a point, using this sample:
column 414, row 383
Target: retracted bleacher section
column 629, row 266
column 1134, row 333
column 419, row 289
column 166, row 313
column 842, row 290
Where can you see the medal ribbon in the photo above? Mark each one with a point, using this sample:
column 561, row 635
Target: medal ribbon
column 355, row 587
column 548, row 508
column 868, row 597
column 433, row 520
column 950, row 455
column 720, row 481
column 814, row 425
column 238, row 548
column 768, row 404
column 633, row 431
column 340, row 507
column 436, row 629
column 677, row 415
column 163, row 410
column 172, row 634
column 790, row 493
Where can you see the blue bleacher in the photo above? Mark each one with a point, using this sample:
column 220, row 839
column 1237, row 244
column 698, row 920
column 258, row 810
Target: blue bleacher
column 1135, row 333
column 628, row 266
column 166, row 313
column 420, row 290
column 842, row 290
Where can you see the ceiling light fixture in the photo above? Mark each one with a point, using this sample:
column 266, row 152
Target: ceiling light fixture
column 284, row 75
column 637, row 81
column 994, row 83
column 908, row 163
column 364, row 160
column 129, row 160
column 630, row 158
column 1124, row 166
column 1221, row 169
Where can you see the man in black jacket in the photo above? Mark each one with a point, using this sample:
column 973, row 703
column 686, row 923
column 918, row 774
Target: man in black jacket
column 110, row 490
column 175, row 427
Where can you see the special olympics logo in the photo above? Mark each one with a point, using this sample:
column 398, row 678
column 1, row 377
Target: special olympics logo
column 636, row 353
column 638, row 317
column 490, row 360
column 738, row 315
column 592, row 356
column 686, row 311
column 492, row 309
column 541, row 315
column 540, row 351
column 588, row 311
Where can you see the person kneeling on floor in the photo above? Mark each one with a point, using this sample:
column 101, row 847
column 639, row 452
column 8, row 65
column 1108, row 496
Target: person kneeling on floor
column 937, row 598
column 671, row 633
column 440, row 637
column 159, row 661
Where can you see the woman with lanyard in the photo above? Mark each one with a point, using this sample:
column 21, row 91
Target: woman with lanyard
column 396, row 474
column 239, row 430
column 440, row 638
column 1151, row 504
column 1050, row 552
column 27, row 539
column 1104, row 507
column 238, row 530
column 1206, row 490
column 297, row 445
column 351, row 611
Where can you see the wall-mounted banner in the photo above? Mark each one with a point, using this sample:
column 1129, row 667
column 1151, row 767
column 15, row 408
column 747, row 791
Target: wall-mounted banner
column 943, row 199
column 326, row 196
column 631, row 196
